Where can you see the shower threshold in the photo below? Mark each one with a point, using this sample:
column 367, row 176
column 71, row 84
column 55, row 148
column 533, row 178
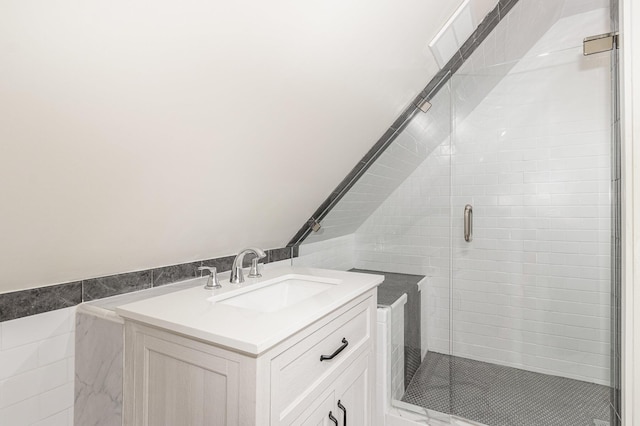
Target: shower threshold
column 496, row 395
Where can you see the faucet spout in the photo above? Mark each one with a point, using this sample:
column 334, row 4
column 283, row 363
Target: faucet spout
column 237, row 276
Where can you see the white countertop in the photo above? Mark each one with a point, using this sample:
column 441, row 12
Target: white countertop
column 190, row 312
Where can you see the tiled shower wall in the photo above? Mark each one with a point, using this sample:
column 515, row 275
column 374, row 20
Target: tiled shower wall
column 336, row 253
column 533, row 157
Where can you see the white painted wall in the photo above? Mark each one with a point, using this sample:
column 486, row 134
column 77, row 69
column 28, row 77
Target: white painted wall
column 138, row 134
column 532, row 290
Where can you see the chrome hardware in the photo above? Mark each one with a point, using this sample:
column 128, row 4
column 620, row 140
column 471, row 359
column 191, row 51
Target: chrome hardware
column 314, row 225
column 237, row 276
column 344, row 411
column 599, row 43
column 424, row 105
column 345, row 343
column 253, row 272
column 212, row 282
column 468, row 223
column 333, row 419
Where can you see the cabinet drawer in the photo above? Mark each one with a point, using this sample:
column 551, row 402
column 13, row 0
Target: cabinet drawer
column 299, row 370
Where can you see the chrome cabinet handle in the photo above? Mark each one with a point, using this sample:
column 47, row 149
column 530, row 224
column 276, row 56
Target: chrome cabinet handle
column 468, row 223
column 345, row 343
column 212, row 282
column 344, row 415
column 333, row 419
column 253, row 272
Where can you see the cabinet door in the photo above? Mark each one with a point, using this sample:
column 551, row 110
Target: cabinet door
column 354, row 393
column 177, row 385
column 318, row 415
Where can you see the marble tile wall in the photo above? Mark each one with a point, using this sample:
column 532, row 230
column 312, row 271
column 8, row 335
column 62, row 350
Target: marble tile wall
column 98, row 371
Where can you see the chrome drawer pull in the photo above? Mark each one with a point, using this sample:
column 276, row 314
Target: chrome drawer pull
column 333, row 355
column 333, row 419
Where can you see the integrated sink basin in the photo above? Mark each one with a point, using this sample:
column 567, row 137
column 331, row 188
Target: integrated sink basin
column 274, row 295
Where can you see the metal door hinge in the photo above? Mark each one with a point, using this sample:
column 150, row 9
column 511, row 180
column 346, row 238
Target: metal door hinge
column 600, row 43
column 314, row 225
column 424, row 105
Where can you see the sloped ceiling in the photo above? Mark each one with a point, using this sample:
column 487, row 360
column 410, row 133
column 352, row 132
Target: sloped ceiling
column 143, row 133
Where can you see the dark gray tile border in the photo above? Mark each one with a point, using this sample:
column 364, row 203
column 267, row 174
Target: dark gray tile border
column 23, row 303
column 171, row 274
column 437, row 82
column 221, row 263
column 504, row 6
column 276, row 255
column 98, row 288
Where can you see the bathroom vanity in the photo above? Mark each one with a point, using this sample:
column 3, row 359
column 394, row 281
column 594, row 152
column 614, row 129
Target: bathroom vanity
column 294, row 347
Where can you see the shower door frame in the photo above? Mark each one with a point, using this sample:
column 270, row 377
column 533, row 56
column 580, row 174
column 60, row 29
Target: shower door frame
column 630, row 145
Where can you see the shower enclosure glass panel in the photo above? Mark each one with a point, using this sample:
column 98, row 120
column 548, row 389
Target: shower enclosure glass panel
column 511, row 321
column 410, row 233
column 531, row 291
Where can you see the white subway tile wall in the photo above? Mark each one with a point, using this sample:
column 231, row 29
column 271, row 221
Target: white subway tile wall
column 337, row 253
column 533, row 158
column 36, row 369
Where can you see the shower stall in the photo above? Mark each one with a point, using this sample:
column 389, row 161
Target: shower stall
column 495, row 218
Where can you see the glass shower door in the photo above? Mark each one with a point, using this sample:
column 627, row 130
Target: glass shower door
column 531, row 236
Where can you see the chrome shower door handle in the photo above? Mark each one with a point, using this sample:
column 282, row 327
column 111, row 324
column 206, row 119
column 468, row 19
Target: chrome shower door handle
column 468, row 223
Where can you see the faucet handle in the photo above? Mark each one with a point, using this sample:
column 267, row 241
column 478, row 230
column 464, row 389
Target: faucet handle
column 253, row 272
column 212, row 282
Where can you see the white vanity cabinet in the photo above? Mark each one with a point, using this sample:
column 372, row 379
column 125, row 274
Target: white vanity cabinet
column 174, row 379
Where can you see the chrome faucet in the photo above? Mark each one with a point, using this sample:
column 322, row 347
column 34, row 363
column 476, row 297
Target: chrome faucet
column 236, row 269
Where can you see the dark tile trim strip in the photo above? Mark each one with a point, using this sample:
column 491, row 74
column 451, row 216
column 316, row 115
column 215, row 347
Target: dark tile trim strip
column 113, row 285
column 433, row 87
column 23, row 303
column 38, row 300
